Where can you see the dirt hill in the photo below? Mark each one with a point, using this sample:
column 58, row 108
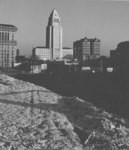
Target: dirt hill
column 34, row 118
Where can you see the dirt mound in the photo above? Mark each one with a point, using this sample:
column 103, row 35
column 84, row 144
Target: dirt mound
column 32, row 117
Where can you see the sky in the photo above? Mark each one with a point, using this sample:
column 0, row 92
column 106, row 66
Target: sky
column 106, row 20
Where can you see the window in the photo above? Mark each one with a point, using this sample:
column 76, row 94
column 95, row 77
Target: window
column 12, row 36
column 56, row 20
column 5, row 36
column 8, row 36
column 7, row 55
column 2, row 35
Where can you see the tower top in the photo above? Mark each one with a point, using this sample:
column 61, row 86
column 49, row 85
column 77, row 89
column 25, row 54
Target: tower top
column 54, row 13
column 54, row 17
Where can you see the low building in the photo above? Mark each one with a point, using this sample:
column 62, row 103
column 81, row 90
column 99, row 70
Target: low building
column 67, row 53
column 93, row 65
column 21, row 59
column 41, row 53
column 38, row 68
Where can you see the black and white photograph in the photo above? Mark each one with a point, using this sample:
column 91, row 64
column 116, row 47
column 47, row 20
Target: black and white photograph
column 64, row 75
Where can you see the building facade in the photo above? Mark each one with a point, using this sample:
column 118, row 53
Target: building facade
column 120, row 56
column 41, row 53
column 94, row 48
column 53, row 49
column 81, row 49
column 7, row 45
column 54, row 36
column 17, row 52
column 67, row 53
column 86, row 49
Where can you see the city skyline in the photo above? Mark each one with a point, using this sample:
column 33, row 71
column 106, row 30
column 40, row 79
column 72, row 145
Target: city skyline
column 106, row 20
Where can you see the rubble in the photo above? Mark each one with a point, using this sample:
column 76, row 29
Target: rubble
column 34, row 118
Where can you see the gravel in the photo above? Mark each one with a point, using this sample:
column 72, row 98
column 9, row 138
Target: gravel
column 35, row 118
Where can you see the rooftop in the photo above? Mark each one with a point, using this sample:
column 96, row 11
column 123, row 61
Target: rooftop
column 7, row 25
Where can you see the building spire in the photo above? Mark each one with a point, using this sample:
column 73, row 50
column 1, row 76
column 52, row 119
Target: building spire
column 54, row 17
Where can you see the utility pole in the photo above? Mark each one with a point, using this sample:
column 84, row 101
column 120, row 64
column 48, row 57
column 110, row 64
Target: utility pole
column 31, row 107
column 39, row 101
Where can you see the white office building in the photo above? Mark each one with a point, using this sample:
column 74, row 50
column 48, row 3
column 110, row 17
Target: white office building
column 41, row 53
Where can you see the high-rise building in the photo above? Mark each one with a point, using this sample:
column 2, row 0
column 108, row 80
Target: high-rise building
column 7, row 45
column 54, row 36
column 86, row 49
column 81, row 49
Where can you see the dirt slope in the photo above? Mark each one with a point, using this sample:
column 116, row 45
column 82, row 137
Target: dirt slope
column 34, row 118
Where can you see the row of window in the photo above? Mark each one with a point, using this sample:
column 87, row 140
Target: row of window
column 4, row 52
column 4, row 36
column 5, row 64
column 4, row 49
column 7, row 58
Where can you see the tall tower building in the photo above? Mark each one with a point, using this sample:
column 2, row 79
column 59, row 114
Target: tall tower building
column 54, row 36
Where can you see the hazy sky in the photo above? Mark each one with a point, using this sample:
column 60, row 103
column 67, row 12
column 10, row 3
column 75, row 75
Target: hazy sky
column 106, row 20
